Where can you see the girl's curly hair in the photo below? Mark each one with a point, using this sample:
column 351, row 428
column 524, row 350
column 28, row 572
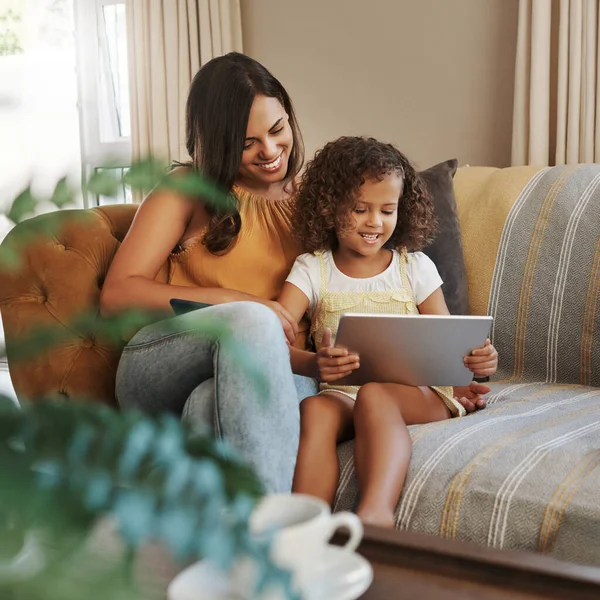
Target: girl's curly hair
column 329, row 191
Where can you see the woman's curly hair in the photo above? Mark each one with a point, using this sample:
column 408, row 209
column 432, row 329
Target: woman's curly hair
column 330, row 189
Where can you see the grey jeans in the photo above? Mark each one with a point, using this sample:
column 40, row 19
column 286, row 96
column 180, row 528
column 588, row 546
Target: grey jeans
column 207, row 366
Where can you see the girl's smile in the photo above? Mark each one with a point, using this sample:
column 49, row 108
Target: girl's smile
column 370, row 238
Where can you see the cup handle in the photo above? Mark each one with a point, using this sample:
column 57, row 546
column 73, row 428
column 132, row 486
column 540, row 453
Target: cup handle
column 349, row 521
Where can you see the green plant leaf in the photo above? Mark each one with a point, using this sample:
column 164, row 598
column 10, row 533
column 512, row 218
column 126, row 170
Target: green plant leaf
column 135, row 511
column 10, row 257
column 104, row 183
column 6, row 402
column 63, row 195
column 110, row 331
column 23, row 206
column 145, row 174
column 196, row 185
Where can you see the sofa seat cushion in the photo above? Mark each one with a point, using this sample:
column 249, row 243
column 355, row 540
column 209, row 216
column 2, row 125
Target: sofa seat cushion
column 521, row 474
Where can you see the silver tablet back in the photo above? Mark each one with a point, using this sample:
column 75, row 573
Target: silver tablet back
column 411, row 349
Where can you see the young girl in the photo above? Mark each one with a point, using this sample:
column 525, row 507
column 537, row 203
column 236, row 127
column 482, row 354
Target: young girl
column 363, row 212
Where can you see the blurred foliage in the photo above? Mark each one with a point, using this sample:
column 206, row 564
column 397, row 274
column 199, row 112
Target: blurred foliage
column 144, row 175
column 64, row 465
column 9, row 38
column 68, row 470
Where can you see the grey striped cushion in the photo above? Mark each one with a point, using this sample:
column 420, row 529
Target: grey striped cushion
column 546, row 284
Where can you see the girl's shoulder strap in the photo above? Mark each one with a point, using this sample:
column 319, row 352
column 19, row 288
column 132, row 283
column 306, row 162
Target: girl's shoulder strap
column 404, row 259
column 320, row 254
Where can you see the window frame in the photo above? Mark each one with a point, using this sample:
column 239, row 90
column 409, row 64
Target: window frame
column 95, row 153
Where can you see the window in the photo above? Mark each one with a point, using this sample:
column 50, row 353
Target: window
column 39, row 122
column 103, row 89
column 114, row 87
column 64, row 95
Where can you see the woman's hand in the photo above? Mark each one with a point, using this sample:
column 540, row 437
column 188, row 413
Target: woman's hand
column 483, row 361
column 471, row 396
column 334, row 363
column 289, row 324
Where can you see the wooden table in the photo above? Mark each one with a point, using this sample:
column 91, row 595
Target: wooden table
column 409, row 565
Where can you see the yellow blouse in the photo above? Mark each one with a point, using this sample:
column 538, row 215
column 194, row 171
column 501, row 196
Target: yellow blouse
column 258, row 261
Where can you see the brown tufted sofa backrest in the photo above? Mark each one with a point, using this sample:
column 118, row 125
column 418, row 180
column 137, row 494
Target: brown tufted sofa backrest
column 64, row 260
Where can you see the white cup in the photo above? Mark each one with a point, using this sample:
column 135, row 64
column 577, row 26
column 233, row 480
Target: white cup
column 302, row 527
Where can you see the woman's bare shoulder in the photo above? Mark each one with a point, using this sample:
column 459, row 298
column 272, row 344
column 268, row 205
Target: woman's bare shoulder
column 175, row 197
column 180, row 214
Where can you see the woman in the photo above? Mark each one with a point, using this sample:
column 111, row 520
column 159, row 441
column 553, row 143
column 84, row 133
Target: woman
column 243, row 135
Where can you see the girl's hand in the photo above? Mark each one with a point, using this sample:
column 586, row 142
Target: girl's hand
column 483, row 361
column 471, row 396
column 334, row 363
column 290, row 327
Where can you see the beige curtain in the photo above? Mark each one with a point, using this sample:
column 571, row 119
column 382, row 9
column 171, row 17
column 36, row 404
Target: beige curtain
column 556, row 117
column 168, row 41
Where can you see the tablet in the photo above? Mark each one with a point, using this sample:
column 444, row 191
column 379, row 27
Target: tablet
column 180, row 307
column 411, row 349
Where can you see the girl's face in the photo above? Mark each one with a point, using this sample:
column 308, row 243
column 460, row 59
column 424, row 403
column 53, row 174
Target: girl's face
column 269, row 141
column 375, row 216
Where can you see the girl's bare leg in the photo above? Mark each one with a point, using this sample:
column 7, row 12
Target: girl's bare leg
column 325, row 420
column 382, row 443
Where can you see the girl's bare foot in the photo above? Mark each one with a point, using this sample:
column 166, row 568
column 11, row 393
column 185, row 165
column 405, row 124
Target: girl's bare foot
column 378, row 518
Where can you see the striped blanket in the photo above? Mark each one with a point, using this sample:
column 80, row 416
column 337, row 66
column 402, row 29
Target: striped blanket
column 523, row 473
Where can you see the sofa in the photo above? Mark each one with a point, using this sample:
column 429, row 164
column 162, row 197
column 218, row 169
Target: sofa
column 520, row 474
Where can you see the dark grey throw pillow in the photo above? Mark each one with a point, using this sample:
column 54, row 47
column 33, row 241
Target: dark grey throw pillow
column 446, row 250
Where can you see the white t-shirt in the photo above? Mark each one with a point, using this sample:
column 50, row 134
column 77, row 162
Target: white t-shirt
column 422, row 275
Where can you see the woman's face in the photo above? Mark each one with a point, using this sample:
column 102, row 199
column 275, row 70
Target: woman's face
column 269, row 141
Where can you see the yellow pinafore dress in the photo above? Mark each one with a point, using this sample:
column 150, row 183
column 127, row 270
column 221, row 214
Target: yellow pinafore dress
column 332, row 305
